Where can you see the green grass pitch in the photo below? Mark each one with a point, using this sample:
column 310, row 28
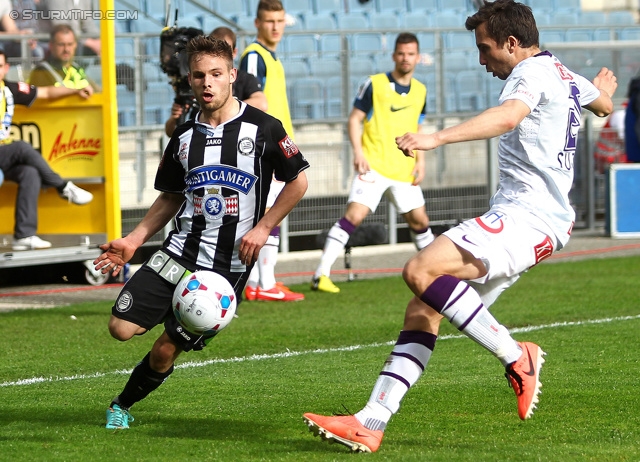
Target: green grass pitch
column 243, row 396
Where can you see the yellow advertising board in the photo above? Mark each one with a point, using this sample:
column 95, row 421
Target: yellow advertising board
column 78, row 138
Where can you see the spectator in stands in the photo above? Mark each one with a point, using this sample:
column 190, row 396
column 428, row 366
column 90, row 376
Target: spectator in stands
column 632, row 121
column 85, row 28
column 11, row 26
column 60, row 69
column 610, row 147
column 388, row 104
column 246, row 87
column 24, row 165
column 260, row 59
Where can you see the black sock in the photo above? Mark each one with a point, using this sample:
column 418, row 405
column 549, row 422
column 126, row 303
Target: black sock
column 61, row 188
column 143, row 380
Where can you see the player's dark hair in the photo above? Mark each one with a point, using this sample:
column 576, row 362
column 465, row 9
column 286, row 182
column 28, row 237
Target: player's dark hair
column 505, row 18
column 202, row 45
column 406, row 37
column 64, row 28
column 269, row 5
column 223, row 33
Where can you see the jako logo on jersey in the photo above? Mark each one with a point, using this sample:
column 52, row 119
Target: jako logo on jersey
column 246, row 147
column 288, row 147
column 220, row 175
column 214, row 141
column 491, row 222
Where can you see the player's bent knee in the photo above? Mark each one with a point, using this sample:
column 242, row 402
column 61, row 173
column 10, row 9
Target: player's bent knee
column 124, row 330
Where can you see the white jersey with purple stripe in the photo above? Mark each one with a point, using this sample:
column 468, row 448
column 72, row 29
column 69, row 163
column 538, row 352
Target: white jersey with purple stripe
column 536, row 159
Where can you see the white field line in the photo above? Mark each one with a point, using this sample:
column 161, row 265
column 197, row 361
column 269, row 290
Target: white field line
column 289, row 354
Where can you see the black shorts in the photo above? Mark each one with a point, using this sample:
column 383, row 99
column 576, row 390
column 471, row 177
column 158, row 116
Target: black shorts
column 145, row 299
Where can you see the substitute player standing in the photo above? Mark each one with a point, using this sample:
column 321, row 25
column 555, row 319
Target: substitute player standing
column 387, row 105
column 214, row 178
column 464, row 270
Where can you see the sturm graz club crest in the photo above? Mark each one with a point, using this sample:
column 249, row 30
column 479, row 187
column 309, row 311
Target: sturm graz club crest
column 213, row 204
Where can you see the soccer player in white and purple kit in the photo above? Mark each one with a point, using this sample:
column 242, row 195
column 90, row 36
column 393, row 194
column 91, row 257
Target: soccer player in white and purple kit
column 464, row 270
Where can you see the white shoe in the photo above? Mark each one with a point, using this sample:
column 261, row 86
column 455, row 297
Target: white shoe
column 76, row 195
column 30, row 243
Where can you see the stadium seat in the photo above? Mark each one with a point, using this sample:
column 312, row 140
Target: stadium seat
column 460, row 40
column 333, row 97
column 547, row 6
column 384, row 20
column 126, row 106
column 412, row 21
column 308, row 98
column 395, row 6
column 304, row 45
column 563, row 19
column 352, row 21
column 209, row 23
column 456, row 61
column 494, row 88
column 295, row 68
column 331, row 45
column 367, row 43
column 457, row 5
column 246, row 23
column 470, row 92
column 125, row 52
column 361, row 67
column 572, row 6
column 325, row 68
column 629, row 33
column 190, row 21
column 297, row 7
column 234, row 9
column 323, row 21
column 151, row 72
column 542, row 19
column 448, row 18
column 422, row 5
column 143, row 24
column 427, row 40
column 620, row 18
column 551, row 35
column 158, row 99
column 603, row 34
column 329, row 6
column 592, row 18
column 578, row 35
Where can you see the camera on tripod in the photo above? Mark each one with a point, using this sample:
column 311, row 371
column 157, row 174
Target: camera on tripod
column 174, row 63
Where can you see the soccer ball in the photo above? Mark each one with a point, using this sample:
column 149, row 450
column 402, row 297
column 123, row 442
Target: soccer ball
column 204, row 302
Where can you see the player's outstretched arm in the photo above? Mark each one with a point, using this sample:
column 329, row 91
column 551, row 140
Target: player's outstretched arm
column 607, row 83
column 119, row 251
column 488, row 124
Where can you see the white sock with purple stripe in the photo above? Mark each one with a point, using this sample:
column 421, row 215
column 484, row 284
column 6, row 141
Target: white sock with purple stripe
column 462, row 306
column 402, row 369
column 334, row 245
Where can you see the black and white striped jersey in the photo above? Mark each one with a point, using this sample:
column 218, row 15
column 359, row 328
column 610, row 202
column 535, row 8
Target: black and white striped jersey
column 224, row 173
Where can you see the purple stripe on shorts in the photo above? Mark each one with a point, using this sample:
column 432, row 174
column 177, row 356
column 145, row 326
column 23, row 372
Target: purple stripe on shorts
column 346, row 225
column 409, row 357
column 397, row 377
column 439, row 291
column 470, row 318
column 417, row 336
column 275, row 232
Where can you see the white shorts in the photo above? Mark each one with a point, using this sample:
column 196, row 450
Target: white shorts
column 367, row 189
column 508, row 242
column 275, row 189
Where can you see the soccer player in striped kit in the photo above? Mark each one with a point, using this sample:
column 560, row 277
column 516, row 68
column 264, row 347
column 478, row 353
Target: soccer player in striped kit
column 465, row 269
column 214, row 178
